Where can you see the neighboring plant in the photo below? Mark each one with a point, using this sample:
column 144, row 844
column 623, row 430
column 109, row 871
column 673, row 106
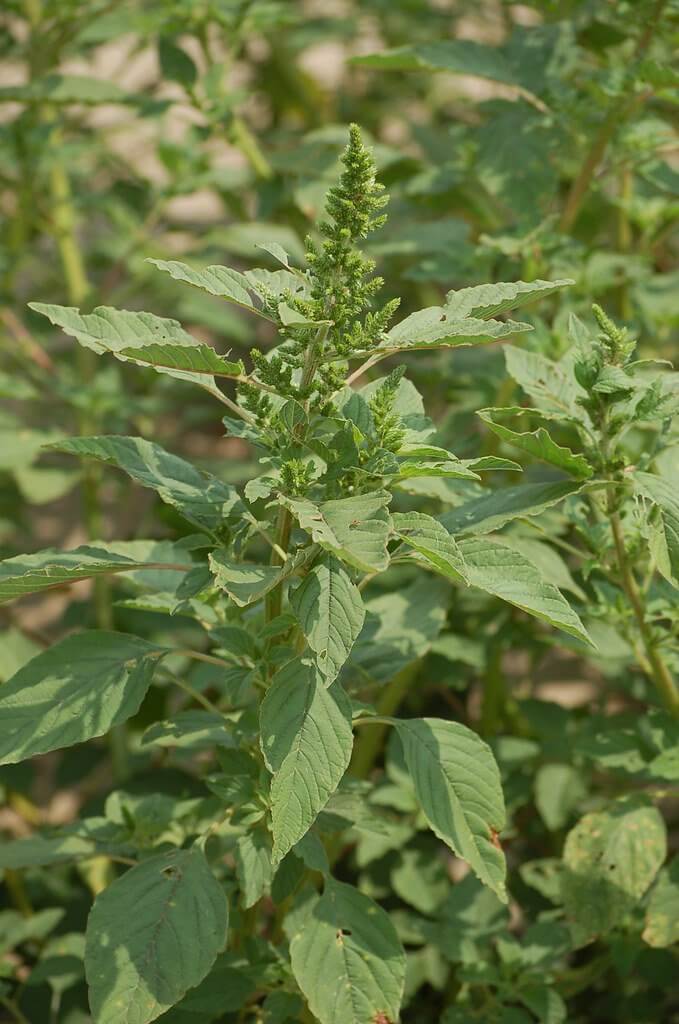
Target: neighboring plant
column 289, row 641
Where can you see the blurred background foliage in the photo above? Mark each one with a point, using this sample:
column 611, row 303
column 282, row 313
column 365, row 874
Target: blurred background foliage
column 531, row 140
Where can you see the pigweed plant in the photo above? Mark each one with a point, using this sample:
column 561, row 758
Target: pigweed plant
column 233, row 902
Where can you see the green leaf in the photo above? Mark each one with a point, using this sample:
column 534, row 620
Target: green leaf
column 29, row 574
column 347, row 959
column 116, row 330
column 355, row 529
column 493, row 510
column 175, row 63
column 189, row 358
column 552, row 385
column 152, row 935
column 420, row 878
column 246, row 582
column 509, row 575
column 547, row 560
column 431, row 541
column 200, row 497
column 221, row 281
column 559, row 789
column 487, row 300
column 189, row 730
column 456, row 56
column 74, row 691
column 306, row 740
column 610, row 858
column 330, row 612
column 665, row 542
column 458, row 785
column 662, row 912
column 434, row 328
column 536, row 442
column 253, row 865
column 400, row 627
column 410, row 468
column 66, row 89
column 82, row 840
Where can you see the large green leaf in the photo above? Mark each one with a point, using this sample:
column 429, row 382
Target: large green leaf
column 400, row 627
column 458, row 785
column 306, row 740
column 152, row 935
column 355, row 529
column 28, row 574
column 348, row 960
column 456, row 56
column 509, row 575
column 221, row 281
column 188, row 358
column 330, row 611
column 538, row 442
column 81, row 840
column 121, row 332
column 434, row 328
column 246, row 582
column 253, row 865
column 610, row 859
column 74, row 691
column 665, row 544
column 487, row 300
column 552, row 385
column 431, row 542
column 200, row 497
column 493, row 510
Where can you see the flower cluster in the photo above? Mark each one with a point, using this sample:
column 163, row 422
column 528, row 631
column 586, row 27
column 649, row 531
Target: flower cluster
column 335, row 315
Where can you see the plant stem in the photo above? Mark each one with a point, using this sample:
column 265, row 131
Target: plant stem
column 196, row 695
column 283, row 529
column 615, row 117
column 14, row 1010
column 209, row 659
column 583, row 179
column 284, row 522
column 494, row 692
column 625, row 232
column 368, row 745
column 373, row 360
column 659, row 671
column 242, row 137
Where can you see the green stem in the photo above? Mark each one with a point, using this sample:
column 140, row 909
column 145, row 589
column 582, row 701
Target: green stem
column 284, row 522
column 494, row 692
column 369, row 744
column 660, row 674
column 625, row 232
column 197, row 696
column 242, row 137
column 209, row 659
column 15, row 885
column 580, row 186
column 274, row 598
column 78, row 289
column 615, row 117
column 14, row 1010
